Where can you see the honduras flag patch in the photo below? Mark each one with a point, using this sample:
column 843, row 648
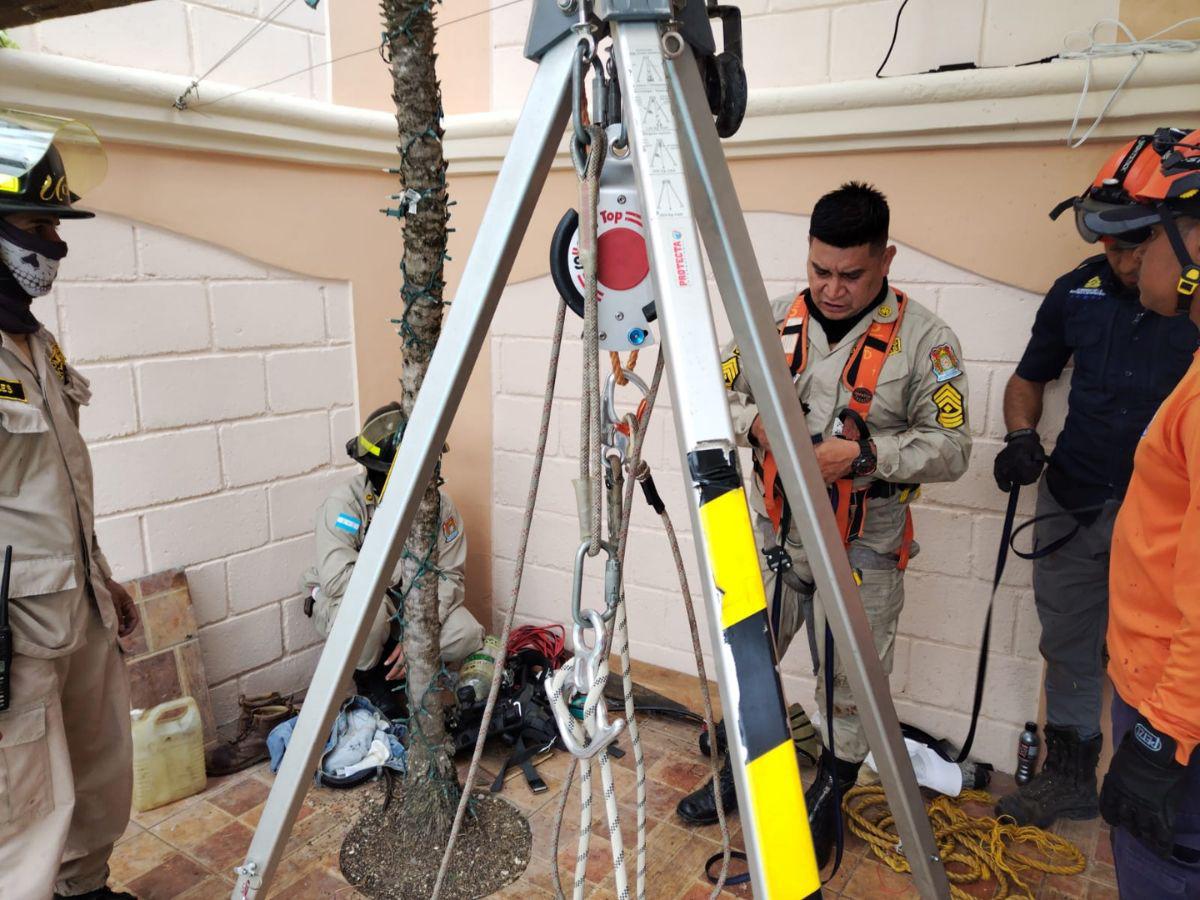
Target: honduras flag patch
column 348, row 523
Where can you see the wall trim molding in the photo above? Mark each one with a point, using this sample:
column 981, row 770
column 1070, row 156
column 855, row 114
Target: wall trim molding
column 1026, row 105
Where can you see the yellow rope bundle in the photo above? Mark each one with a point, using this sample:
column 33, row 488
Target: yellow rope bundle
column 973, row 849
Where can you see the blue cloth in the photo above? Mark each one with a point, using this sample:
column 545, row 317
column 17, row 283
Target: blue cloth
column 358, row 723
column 1127, row 359
column 1141, row 875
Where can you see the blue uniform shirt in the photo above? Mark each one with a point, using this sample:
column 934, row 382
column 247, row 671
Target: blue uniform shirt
column 1127, row 359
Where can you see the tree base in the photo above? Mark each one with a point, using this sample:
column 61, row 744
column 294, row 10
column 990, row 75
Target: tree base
column 385, row 855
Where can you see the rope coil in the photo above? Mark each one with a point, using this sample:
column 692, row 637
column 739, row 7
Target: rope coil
column 972, row 849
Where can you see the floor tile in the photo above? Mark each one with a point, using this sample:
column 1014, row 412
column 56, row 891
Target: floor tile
column 137, row 856
column 225, row 848
column 171, row 878
column 192, row 825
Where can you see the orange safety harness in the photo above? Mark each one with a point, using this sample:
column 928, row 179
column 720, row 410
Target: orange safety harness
column 860, row 376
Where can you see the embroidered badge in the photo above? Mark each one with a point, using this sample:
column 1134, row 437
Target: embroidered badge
column 949, row 401
column 450, row 529
column 861, row 395
column 732, row 367
column 897, row 347
column 58, row 361
column 11, row 389
column 945, row 363
column 348, row 523
column 1093, row 287
column 885, row 312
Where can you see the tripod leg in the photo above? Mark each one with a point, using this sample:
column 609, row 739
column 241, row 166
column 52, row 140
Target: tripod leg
column 535, row 140
column 736, row 269
column 766, row 773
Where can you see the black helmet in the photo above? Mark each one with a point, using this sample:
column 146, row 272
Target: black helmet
column 46, row 163
column 375, row 446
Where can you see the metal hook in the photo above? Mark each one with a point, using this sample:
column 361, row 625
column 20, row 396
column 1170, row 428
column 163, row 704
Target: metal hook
column 584, row 670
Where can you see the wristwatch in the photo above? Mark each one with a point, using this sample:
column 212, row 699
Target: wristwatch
column 866, row 461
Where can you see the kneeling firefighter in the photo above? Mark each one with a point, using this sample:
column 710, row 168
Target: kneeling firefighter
column 341, row 527
column 883, row 391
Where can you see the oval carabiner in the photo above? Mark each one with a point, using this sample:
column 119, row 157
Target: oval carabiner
column 581, row 618
column 612, row 436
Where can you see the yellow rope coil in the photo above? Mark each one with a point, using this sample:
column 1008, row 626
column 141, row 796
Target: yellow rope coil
column 973, row 849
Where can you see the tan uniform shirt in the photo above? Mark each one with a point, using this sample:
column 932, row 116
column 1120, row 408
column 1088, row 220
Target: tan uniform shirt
column 46, row 508
column 342, row 525
column 918, row 419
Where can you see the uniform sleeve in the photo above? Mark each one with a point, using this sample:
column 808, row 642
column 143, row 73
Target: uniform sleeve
column 339, row 533
column 742, row 408
column 451, row 559
column 1047, row 352
column 937, row 444
column 99, row 558
column 1171, row 705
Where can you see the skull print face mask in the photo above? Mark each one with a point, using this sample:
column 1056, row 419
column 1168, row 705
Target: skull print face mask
column 32, row 260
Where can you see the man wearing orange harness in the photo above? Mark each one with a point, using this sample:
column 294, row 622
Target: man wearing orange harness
column 881, row 383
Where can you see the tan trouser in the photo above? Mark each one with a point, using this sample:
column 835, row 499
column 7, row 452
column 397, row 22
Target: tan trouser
column 66, row 769
column 882, row 593
column 462, row 635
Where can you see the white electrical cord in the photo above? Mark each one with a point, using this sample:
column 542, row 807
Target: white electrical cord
column 1098, row 50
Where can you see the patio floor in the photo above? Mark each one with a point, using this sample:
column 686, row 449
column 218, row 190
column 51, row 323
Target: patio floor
column 188, row 849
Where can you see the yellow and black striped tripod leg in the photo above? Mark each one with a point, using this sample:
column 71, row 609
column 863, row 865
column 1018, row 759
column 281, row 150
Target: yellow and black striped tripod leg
column 772, row 799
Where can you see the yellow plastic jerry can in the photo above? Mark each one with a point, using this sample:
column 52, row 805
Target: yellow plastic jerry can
column 168, row 753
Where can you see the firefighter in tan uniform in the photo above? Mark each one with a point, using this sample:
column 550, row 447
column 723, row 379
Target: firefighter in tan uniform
column 341, row 527
column 65, row 748
column 885, row 398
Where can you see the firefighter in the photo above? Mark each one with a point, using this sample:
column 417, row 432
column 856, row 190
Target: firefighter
column 66, row 752
column 1151, row 794
column 1127, row 359
column 341, row 526
column 881, row 383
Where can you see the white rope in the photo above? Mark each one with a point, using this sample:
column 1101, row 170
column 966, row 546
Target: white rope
column 1103, row 50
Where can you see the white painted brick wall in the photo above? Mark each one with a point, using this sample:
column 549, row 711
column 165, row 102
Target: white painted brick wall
column 957, row 525
column 797, row 42
column 187, row 37
column 193, row 467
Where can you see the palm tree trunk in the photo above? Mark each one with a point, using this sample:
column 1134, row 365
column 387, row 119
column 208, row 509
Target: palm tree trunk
column 432, row 789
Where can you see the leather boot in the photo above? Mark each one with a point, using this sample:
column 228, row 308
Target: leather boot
column 1064, row 788
column 104, row 893
column 250, row 745
column 823, row 804
column 700, row 806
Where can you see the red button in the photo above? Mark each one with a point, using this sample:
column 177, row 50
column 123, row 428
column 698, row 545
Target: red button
column 622, row 259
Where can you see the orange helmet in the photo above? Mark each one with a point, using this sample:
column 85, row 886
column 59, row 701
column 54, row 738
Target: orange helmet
column 1119, row 179
column 1172, row 190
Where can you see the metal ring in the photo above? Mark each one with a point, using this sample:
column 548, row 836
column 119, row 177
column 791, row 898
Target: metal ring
column 673, row 44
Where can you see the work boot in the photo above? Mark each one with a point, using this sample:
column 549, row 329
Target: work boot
column 823, row 804
column 700, row 806
column 1064, row 788
column 250, row 745
column 104, row 893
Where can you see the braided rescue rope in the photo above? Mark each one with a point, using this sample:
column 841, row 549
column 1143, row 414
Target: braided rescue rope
column 972, row 848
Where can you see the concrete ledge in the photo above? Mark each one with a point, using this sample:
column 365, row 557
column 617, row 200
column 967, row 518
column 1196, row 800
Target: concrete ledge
column 1033, row 104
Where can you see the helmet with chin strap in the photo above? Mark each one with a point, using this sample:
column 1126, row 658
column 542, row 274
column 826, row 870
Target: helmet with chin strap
column 1119, row 179
column 1171, row 191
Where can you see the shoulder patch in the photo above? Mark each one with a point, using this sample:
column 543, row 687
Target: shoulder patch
column 450, row 529
column 732, row 367
column 945, row 363
column 348, row 523
column 58, row 361
column 951, row 409
column 12, row 389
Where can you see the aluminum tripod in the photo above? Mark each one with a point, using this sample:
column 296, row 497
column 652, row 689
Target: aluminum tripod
column 677, row 157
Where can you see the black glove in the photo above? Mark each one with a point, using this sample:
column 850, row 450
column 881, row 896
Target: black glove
column 1021, row 461
column 1141, row 791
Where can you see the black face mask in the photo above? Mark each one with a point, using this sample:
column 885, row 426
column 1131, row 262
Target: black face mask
column 16, row 314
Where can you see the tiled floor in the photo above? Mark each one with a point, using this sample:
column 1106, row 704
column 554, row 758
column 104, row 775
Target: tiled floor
column 189, row 849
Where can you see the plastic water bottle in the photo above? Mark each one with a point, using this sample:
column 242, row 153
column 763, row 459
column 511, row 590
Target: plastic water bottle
column 1029, row 748
column 475, row 676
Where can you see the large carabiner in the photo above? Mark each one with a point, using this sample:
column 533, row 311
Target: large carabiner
column 612, row 583
column 613, row 436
